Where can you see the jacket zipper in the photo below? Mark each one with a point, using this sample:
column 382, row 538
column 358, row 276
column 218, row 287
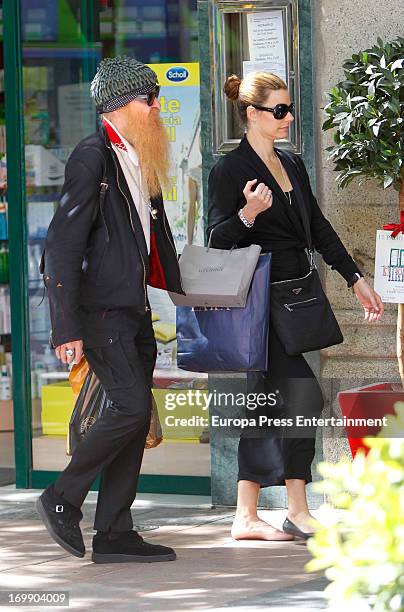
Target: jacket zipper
column 288, row 306
column 290, row 279
column 133, row 230
column 171, row 243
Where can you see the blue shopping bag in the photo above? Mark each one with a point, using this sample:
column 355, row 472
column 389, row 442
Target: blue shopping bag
column 227, row 339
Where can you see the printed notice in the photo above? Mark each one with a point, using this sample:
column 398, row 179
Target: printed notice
column 389, row 267
column 266, row 43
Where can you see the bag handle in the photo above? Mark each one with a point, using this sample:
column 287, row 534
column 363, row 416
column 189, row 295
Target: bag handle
column 306, row 226
column 210, row 241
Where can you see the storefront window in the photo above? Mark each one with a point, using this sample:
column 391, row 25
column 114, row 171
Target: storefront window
column 63, row 42
column 7, row 462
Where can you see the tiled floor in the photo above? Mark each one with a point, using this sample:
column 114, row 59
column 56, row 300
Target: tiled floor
column 212, row 571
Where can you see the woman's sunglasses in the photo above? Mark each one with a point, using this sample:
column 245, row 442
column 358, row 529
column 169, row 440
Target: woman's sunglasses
column 151, row 96
column 279, row 111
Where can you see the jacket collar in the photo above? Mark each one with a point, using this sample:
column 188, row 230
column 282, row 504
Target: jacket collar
column 264, row 175
column 122, row 185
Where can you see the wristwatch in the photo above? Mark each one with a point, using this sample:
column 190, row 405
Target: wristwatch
column 355, row 277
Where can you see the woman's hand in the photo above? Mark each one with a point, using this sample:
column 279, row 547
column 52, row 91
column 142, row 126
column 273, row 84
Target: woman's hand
column 370, row 300
column 257, row 201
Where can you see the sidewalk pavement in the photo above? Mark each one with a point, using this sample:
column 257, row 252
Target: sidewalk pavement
column 212, row 571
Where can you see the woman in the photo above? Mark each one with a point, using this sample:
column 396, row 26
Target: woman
column 253, row 199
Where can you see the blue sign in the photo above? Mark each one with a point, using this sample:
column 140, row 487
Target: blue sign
column 177, row 74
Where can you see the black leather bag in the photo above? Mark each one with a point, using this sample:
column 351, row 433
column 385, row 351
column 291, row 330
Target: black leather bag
column 300, row 311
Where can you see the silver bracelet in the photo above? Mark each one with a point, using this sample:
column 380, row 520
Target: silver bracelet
column 248, row 224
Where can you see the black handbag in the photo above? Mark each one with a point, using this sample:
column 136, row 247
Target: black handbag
column 301, row 314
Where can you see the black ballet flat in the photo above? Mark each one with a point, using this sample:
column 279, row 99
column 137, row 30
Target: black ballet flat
column 292, row 529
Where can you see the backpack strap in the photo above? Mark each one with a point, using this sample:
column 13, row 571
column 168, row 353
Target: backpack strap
column 103, row 191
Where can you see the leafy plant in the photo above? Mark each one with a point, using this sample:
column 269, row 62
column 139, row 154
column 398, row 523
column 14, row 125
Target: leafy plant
column 367, row 109
column 362, row 544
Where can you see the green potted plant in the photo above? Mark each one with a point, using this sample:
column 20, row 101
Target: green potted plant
column 360, row 542
column 366, row 110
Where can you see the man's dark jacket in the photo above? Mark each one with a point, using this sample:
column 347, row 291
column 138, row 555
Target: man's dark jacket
column 95, row 250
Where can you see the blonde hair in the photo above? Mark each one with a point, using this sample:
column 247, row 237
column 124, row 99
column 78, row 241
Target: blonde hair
column 253, row 89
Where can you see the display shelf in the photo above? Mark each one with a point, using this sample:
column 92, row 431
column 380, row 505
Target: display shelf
column 44, row 197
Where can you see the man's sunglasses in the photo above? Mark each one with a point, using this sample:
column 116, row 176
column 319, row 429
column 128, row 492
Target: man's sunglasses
column 279, row 111
column 151, row 96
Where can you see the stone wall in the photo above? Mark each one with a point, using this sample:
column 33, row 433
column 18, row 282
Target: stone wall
column 341, row 28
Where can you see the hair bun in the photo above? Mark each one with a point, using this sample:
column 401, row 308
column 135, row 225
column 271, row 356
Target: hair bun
column 232, row 87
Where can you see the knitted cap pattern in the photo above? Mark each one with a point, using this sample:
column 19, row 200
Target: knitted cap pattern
column 119, row 80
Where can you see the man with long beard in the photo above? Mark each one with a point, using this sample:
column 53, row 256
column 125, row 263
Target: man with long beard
column 108, row 239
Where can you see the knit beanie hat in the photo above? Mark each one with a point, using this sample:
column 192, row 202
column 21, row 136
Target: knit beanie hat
column 119, row 80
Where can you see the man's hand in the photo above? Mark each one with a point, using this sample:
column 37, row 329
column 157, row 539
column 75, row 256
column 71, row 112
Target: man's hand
column 76, row 346
column 257, row 201
column 370, row 300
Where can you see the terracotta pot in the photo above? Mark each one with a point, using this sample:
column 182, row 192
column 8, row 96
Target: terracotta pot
column 370, row 402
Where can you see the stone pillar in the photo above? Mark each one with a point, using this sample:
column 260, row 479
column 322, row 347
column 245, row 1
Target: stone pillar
column 356, row 212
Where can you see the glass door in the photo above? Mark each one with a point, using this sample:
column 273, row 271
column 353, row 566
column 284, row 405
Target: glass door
column 7, row 461
column 58, row 57
column 62, row 43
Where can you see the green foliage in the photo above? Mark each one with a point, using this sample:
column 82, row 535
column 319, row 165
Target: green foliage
column 361, row 541
column 367, row 108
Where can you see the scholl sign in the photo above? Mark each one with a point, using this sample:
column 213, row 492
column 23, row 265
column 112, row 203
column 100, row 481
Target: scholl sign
column 177, row 74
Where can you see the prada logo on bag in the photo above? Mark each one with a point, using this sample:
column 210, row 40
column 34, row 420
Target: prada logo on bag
column 59, row 508
column 297, row 291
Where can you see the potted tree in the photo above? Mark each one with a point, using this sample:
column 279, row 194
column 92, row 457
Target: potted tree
column 367, row 111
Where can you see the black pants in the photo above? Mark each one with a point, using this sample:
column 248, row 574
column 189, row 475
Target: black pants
column 275, row 455
column 121, row 349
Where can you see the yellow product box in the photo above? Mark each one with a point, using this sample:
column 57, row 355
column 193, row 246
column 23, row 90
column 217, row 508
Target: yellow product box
column 57, row 408
column 179, row 419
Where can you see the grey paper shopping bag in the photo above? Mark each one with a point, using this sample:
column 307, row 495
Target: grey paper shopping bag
column 216, row 277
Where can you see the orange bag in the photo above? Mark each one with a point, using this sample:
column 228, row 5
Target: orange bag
column 77, row 376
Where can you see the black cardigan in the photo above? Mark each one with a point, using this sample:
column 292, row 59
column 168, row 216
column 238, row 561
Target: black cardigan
column 279, row 228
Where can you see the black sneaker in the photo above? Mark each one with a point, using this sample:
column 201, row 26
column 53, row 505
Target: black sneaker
column 61, row 520
column 127, row 547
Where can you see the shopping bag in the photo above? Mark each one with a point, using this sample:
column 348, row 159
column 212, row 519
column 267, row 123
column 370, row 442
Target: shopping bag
column 216, row 277
column 227, row 339
column 78, row 375
column 155, row 435
column 90, row 402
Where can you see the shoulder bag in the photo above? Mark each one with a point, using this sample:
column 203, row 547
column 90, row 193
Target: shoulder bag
column 301, row 314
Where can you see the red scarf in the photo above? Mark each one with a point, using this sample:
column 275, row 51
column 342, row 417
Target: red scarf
column 113, row 136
